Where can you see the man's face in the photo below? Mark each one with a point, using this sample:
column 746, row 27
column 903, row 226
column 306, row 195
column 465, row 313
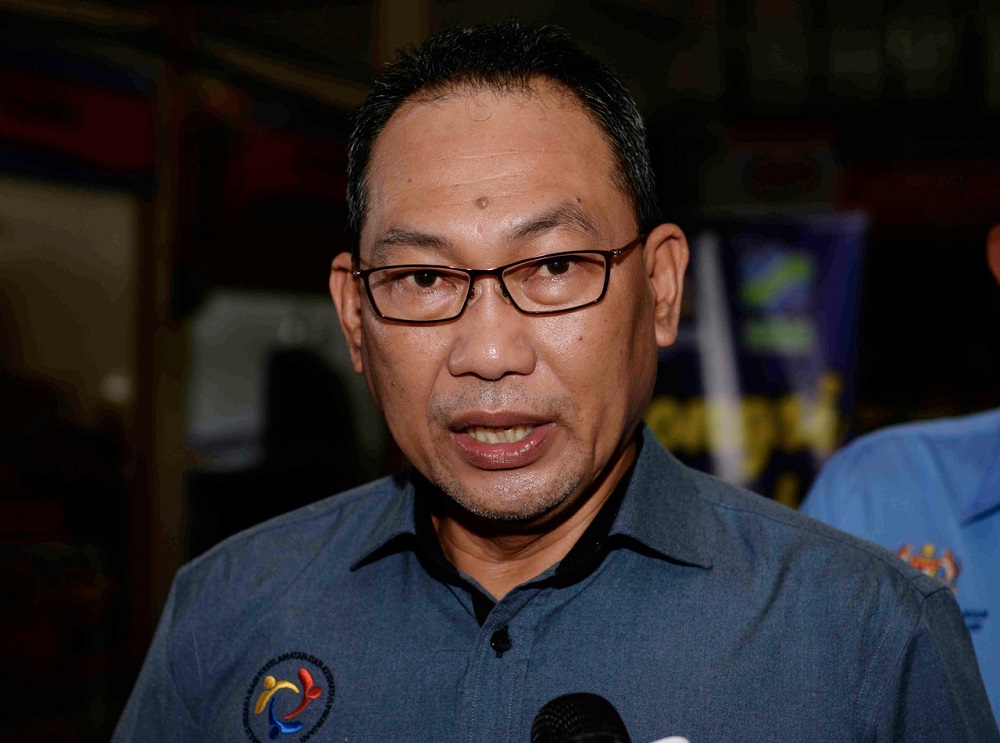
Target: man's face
column 513, row 416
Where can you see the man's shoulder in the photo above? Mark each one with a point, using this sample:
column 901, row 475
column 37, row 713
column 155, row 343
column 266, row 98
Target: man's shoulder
column 909, row 443
column 747, row 529
column 273, row 552
column 887, row 467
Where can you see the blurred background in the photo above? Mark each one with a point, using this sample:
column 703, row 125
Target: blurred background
column 172, row 194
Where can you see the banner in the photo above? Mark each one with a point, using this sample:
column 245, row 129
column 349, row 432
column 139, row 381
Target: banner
column 759, row 386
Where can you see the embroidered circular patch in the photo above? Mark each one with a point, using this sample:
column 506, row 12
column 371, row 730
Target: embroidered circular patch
column 290, row 696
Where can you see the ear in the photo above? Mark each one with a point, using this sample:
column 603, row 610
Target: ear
column 346, row 293
column 993, row 251
column 666, row 255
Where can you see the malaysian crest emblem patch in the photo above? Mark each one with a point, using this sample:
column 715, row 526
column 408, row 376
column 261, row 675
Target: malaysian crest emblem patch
column 289, row 698
column 944, row 566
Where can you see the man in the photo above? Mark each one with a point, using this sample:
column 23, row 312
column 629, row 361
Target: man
column 509, row 290
column 930, row 491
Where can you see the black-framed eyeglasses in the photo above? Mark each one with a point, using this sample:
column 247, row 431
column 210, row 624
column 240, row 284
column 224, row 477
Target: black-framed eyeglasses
column 543, row 285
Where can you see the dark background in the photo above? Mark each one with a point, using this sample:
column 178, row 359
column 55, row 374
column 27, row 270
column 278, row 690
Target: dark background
column 221, row 126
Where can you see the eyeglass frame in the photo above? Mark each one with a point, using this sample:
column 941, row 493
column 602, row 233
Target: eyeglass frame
column 476, row 273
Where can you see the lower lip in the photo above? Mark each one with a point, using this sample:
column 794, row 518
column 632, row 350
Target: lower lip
column 504, row 456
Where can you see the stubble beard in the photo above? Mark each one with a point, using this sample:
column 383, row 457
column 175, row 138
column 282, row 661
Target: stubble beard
column 511, row 501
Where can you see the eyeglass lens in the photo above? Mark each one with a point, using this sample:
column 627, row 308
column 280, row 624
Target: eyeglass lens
column 552, row 283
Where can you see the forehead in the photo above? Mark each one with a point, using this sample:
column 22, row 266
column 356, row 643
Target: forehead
column 479, row 160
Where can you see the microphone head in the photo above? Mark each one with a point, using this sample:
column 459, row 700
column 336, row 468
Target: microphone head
column 578, row 718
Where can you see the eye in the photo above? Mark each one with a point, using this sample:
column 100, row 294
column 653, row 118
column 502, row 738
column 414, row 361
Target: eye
column 556, row 266
column 425, row 279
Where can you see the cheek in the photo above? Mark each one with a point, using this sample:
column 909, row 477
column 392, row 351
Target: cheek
column 613, row 356
column 586, row 352
column 401, row 365
column 611, row 338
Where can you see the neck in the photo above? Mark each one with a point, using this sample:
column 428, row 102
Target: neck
column 500, row 556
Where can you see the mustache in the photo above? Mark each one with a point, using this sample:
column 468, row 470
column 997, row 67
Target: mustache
column 498, row 397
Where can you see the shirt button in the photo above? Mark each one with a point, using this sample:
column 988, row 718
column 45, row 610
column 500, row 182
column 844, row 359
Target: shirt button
column 500, row 641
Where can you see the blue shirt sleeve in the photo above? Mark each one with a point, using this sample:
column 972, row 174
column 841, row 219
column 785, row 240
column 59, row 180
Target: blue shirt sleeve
column 866, row 489
column 882, row 488
column 939, row 695
column 157, row 710
column 830, row 495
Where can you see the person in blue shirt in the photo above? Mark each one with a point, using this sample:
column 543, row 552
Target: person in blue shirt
column 930, row 491
column 510, row 286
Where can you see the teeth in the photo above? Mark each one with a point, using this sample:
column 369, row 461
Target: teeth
column 499, row 435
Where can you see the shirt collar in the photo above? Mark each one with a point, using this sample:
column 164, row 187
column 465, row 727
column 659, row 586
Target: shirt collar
column 987, row 497
column 394, row 527
column 660, row 509
column 406, row 523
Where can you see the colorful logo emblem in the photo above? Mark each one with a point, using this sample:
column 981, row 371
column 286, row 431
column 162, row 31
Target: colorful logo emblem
column 945, row 567
column 290, row 696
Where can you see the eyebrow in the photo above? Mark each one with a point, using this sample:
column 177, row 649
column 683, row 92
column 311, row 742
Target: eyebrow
column 410, row 238
column 566, row 214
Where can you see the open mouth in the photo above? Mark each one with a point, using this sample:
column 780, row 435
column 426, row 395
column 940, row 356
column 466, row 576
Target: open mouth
column 511, row 435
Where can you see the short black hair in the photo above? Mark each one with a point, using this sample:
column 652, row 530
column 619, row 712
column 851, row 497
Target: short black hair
column 506, row 56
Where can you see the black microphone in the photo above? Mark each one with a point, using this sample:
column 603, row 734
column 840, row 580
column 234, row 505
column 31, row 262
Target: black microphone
column 578, row 718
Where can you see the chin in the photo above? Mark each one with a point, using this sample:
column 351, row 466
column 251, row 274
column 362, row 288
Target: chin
column 511, row 502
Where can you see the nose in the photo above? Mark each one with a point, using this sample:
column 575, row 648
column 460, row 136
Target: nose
column 492, row 337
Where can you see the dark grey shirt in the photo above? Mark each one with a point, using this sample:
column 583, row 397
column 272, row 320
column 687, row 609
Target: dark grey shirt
column 704, row 611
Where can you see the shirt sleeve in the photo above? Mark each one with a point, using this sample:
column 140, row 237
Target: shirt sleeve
column 157, row 710
column 842, row 494
column 828, row 490
column 939, row 696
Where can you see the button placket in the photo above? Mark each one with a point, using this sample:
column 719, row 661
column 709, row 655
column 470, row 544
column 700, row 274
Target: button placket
column 496, row 675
